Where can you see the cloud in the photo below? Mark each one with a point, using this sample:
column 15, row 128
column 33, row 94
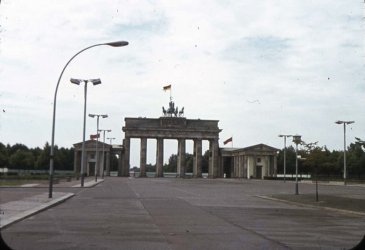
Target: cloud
column 303, row 62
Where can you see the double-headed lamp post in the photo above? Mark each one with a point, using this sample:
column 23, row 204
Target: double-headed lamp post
column 94, row 82
column 297, row 140
column 344, row 148
column 97, row 141
column 285, row 136
column 102, row 165
column 51, row 160
column 111, row 139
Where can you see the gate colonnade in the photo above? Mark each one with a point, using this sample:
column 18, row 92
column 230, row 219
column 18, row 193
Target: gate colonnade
column 180, row 129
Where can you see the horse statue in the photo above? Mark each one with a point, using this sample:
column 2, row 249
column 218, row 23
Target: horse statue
column 181, row 112
column 164, row 111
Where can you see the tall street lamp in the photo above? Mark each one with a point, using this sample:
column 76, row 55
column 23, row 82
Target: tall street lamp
column 285, row 136
column 97, row 142
column 51, row 160
column 297, row 140
column 77, row 82
column 344, row 148
column 102, row 165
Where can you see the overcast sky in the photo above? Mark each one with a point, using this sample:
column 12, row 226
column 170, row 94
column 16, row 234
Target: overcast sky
column 261, row 68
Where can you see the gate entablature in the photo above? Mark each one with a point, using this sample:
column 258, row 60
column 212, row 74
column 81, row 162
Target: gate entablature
column 171, row 128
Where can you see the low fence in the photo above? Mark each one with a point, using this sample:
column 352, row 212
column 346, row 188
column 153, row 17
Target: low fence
column 32, row 172
column 289, row 176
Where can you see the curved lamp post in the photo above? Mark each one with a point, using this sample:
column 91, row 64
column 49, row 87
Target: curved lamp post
column 113, row 44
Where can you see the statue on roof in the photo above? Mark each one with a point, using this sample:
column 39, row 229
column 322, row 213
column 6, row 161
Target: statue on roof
column 171, row 111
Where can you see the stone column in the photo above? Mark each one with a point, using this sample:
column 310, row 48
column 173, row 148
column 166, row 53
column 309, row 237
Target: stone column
column 236, row 169
column 107, row 164
column 211, row 163
column 181, row 158
column 159, row 157
column 214, row 166
column 143, row 157
column 248, row 168
column 242, row 159
column 125, row 167
column 275, row 165
column 197, row 162
column 267, row 167
column 244, row 166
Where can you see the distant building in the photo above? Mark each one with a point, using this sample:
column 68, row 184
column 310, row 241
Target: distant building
column 90, row 157
column 255, row 161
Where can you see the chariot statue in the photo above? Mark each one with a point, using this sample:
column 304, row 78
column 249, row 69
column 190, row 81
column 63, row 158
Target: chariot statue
column 172, row 111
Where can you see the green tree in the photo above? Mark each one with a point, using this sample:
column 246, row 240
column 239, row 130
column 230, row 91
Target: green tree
column 355, row 160
column 171, row 166
column 290, row 160
column 189, row 160
column 4, row 157
column 42, row 161
column 18, row 146
column 150, row 167
column 64, row 159
column 205, row 162
column 114, row 160
column 21, row 159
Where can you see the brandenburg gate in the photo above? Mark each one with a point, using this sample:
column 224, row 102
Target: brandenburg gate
column 172, row 125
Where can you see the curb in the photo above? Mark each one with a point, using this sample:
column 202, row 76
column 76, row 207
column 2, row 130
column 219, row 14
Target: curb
column 312, row 206
column 90, row 184
column 27, row 213
column 333, row 184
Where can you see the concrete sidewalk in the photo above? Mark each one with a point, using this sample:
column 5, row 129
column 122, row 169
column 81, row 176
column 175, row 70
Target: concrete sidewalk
column 14, row 211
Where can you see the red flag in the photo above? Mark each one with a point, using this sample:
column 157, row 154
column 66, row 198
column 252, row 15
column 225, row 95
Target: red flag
column 92, row 137
column 168, row 87
column 228, row 140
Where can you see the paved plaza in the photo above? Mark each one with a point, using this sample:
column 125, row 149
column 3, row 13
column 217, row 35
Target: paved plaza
column 173, row 213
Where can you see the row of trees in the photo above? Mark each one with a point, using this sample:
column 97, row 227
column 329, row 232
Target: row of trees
column 171, row 166
column 321, row 161
column 318, row 160
column 19, row 156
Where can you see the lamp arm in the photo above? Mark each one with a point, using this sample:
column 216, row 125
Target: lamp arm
column 58, row 83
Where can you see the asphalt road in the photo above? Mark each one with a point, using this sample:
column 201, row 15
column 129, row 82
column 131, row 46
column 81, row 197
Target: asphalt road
column 169, row 213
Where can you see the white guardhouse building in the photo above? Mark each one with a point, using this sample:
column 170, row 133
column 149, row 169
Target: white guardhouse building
column 256, row 161
column 90, row 157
